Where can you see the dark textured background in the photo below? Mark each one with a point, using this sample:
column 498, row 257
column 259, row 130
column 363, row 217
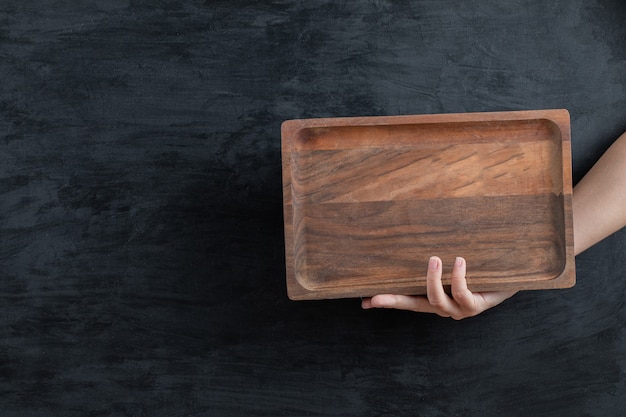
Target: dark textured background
column 141, row 247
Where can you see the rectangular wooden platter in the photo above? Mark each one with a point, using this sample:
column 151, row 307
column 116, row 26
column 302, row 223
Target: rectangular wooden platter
column 368, row 200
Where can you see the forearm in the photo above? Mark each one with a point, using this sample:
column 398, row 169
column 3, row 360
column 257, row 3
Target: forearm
column 599, row 202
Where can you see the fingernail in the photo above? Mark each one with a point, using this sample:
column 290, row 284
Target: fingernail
column 458, row 261
column 433, row 263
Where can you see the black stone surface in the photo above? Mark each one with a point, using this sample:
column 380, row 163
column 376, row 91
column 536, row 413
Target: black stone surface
column 141, row 246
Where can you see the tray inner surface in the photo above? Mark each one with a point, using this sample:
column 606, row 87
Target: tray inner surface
column 371, row 204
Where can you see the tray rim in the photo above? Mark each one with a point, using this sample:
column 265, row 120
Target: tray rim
column 290, row 129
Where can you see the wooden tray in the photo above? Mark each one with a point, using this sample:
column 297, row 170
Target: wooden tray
column 368, row 200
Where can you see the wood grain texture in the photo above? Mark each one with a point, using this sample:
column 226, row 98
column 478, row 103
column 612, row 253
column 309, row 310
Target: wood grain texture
column 368, row 200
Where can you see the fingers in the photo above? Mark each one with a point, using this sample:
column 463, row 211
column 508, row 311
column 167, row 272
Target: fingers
column 434, row 288
column 460, row 293
column 436, row 300
column 462, row 304
column 400, row 302
column 366, row 303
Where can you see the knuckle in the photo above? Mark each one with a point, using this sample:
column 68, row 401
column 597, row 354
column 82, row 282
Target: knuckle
column 460, row 296
column 438, row 304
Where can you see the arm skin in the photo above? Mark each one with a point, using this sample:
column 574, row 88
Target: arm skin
column 599, row 210
column 600, row 198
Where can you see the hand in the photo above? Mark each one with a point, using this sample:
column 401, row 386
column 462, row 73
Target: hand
column 462, row 304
